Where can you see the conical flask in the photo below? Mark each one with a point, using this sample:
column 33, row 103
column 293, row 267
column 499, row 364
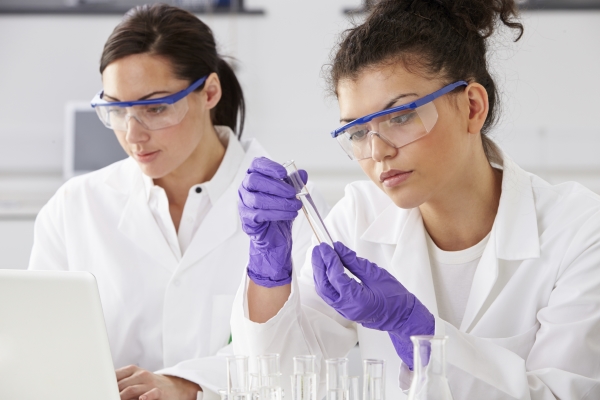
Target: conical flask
column 429, row 379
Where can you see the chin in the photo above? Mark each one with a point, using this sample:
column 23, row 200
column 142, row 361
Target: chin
column 152, row 171
column 404, row 198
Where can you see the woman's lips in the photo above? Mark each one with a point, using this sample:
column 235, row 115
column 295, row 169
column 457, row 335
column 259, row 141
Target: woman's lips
column 146, row 157
column 394, row 177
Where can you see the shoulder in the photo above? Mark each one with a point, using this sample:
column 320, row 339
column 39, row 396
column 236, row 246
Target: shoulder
column 116, row 178
column 362, row 203
column 564, row 204
column 364, row 198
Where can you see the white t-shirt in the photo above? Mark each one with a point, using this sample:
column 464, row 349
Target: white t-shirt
column 453, row 273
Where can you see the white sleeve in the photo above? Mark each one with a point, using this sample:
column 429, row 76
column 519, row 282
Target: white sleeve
column 49, row 250
column 206, row 372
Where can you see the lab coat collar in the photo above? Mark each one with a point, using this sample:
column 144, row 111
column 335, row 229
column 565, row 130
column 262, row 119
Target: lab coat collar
column 516, row 226
column 137, row 222
column 222, row 221
column 234, row 154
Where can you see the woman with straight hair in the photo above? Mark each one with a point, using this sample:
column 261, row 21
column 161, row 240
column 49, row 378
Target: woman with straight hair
column 449, row 237
column 160, row 230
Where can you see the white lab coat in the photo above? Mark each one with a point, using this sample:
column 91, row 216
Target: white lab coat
column 101, row 223
column 531, row 328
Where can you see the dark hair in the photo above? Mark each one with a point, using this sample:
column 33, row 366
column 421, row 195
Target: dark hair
column 189, row 45
column 443, row 37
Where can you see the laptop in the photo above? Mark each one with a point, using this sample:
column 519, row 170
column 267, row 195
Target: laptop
column 53, row 341
column 89, row 145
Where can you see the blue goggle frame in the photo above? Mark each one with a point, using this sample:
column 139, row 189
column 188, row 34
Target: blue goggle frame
column 410, row 106
column 97, row 101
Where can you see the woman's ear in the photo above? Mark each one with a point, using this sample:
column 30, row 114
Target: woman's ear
column 212, row 91
column 478, row 107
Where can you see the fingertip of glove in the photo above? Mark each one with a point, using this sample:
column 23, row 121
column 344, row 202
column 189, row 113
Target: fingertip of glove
column 325, row 248
column 267, row 167
column 303, row 175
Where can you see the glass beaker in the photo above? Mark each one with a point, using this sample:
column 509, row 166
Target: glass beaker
column 269, row 377
column 429, row 379
column 373, row 379
column 337, row 378
column 237, row 374
column 304, row 380
column 308, row 206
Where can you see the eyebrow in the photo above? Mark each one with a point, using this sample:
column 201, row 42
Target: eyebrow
column 388, row 105
column 141, row 98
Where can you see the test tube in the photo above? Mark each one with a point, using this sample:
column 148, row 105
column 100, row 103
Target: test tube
column 269, row 377
column 337, row 378
column 308, row 206
column 354, row 391
column 304, row 380
column 254, row 385
column 237, row 374
column 373, row 379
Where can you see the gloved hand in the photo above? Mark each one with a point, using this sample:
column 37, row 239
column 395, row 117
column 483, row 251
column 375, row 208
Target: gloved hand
column 379, row 302
column 267, row 208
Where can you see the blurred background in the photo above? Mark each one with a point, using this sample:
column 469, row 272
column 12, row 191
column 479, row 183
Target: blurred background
column 49, row 59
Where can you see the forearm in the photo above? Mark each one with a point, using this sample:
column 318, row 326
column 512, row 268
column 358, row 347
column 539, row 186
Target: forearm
column 264, row 303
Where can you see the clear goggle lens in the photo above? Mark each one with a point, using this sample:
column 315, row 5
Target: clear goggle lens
column 396, row 129
column 151, row 116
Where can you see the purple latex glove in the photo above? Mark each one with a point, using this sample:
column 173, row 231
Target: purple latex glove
column 267, row 208
column 379, row 302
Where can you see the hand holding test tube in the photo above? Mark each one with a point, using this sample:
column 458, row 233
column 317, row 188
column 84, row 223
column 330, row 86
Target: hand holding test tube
column 308, row 206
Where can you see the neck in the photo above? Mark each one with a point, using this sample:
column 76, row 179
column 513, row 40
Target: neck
column 200, row 167
column 463, row 213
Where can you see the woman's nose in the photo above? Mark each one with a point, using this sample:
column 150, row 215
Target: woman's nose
column 136, row 133
column 380, row 149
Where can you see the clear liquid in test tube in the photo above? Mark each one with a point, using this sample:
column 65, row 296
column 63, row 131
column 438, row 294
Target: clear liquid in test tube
column 304, row 380
column 308, row 206
column 337, row 379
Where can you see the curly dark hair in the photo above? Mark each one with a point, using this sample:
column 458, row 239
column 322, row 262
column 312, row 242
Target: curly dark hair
column 441, row 38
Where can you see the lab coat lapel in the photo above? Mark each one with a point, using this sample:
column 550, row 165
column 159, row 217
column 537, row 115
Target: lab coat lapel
column 220, row 223
column 138, row 224
column 410, row 260
column 514, row 236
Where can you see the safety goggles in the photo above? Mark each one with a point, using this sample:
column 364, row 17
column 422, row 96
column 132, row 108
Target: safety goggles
column 396, row 126
column 152, row 114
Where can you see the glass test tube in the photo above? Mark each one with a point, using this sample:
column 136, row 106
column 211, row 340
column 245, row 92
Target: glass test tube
column 304, row 380
column 237, row 375
column 337, row 378
column 354, row 391
column 254, row 385
column 269, row 377
column 373, row 379
column 308, row 206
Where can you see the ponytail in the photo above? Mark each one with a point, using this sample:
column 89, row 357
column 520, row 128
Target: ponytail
column 232, row 100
